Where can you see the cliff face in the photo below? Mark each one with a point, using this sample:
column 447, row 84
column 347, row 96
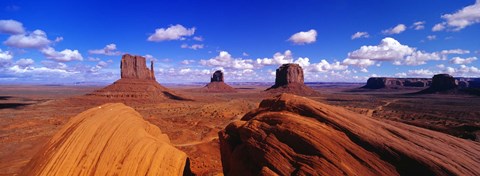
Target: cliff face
column 134, row 67
column 287, row 74
column 112, row 139
column 293, row 135
column 217, row 76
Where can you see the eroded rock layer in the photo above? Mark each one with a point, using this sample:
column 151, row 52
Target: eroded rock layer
column 289, row 79
column 137, row 89
column 292, row 135
column 112, row 139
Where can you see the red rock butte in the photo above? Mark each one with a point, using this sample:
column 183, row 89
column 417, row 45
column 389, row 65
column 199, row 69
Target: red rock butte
column 289, row 79
column 134, row 67
column 217, row 84
column 293, row 135
column 137, row 83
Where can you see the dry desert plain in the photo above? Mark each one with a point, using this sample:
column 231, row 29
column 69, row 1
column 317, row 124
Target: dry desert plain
column 31, row 115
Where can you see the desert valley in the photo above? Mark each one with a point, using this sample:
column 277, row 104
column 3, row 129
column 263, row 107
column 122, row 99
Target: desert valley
column 239, row 88
column 383, row 127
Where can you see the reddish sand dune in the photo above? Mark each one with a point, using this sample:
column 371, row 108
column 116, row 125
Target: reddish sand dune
column 112, row 139
column 292, row 135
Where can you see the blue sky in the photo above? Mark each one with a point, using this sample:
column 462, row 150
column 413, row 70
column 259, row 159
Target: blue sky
column 333, row 40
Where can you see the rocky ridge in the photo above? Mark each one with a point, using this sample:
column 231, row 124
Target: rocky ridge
column 292, row 135
column 112, row 139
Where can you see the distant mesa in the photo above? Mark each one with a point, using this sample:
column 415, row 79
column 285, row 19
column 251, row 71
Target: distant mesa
column 289, row 79
column 396, row 83
column 293, row 135
column 217, row 84
column 112, row 139
column 401, row 83
column 137, row 82
column 442, row 83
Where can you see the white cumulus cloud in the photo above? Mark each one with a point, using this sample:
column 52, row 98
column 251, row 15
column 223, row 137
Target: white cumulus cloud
column 36, row 39
column 459, row 60
column 467, row 16
column 302, row 37
column 395, row 30
column 109, row 50
column 62, row 56
column 11, row 27
column 389, row 49
column 176, row 32
column 224, row 59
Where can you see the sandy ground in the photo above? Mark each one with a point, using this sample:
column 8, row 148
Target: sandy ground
column 30, row 115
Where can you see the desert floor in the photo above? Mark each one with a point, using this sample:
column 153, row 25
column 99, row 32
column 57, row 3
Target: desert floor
column 30, row 115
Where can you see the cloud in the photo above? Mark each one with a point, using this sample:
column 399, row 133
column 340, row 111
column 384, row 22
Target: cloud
column 324, row 66
column 194, row 46
column 176, row 32
column 302, row 38
column 455, row 51
column 277, row 59
column 36, row 39
column 62, row 56
column 11, row 27
column 198, row 38
column 93, row 59
column 389, row 49
column 224, row 59
column 395, row 30
column 420, row 73
column 244, row 54
column 150, row 58
column 187, row 62
column 360, row 35
column 22, row 63
column 467, row 16
column 5, row 56
column 438, row 27
column 431, row 37
column 419, row 25
column 459, row 60
column 109, row 50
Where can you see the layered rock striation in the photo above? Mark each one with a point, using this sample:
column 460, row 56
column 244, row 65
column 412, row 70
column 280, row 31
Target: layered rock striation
column 112, row 139
column 217, row 84
column 292, row 135
column 137, row 83
column 289, row 78
column 134, row 67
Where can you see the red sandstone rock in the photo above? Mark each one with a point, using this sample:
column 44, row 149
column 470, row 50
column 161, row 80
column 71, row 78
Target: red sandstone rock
column 134, row 67
column 217, row 85
column 289, row 79
column 292, row 135
column 137, row 83
column 217, row 76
